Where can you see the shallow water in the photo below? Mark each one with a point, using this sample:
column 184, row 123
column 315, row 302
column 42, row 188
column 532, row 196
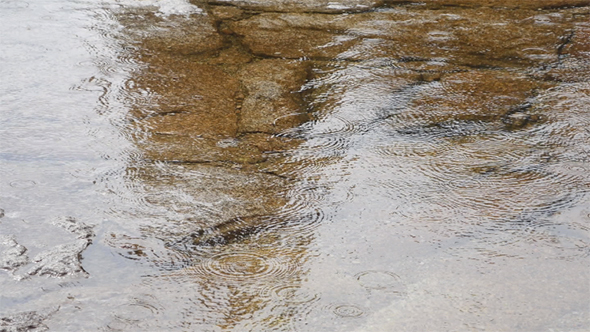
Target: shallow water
column 361, row 166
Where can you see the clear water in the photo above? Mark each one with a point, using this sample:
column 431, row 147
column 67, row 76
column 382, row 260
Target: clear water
column 386, row 223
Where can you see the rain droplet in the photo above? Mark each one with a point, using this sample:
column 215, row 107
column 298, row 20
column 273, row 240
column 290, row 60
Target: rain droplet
column 242, row 266
column 381, row 280
column 23, row 184
column 295, row 295
column 348, row 311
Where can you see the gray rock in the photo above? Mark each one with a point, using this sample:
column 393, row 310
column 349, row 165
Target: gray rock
column 13, row 257
column 61, row 261
column 74, row 226
column 521, row 4
column 28, row 321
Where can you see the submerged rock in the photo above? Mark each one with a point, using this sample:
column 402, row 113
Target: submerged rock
column 521, row 4
column 272, row 103
column 474, row 37
column 64, row 259
column 74, row 226
column 217, row 193
column 574, row 64
column 60, row 261
column 215, row 108
column 175, row 35
column 479, row 95
column 14, row 256
column 317, row 6
column 29, row 321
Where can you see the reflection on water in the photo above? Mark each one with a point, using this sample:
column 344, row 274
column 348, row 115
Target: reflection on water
column 286, row 166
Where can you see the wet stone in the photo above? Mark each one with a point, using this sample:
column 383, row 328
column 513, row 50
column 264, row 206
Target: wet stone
column 291, row 36
column 521, row 4
column 482, row 95
column 72, row 225
column 247, row 149
column 13, row 256
column 29, row 321
column 475, row 37
column 174, row 34
column 272, row 102
column 222, row 193
column 575, row 63
column 318, row 6
column 183, row 86
column 194, row 107
column 60, row 261
column 517, row 120
column 231, row 58
column 226, row 12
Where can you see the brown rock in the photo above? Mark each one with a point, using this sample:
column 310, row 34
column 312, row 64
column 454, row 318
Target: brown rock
column 226, row 12
column 192, row 123
column 175, row 34
column 222, row 193
column 575, row 58
column 272, row 103
column 190, row 99
column 522, row 4
column 299, row 6
column 481, row 95
column 251, row 149
column 475, row 37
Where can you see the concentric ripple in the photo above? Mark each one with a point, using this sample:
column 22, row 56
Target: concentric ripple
column 381, row 280
column 243, row 266
column 347, row 311
column 23, row 184
column 293, row 295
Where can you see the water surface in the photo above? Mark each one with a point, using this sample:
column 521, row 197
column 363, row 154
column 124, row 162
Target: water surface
column 257, row 166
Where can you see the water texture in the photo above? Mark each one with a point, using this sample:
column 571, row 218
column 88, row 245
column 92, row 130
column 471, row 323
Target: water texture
column 352, row 165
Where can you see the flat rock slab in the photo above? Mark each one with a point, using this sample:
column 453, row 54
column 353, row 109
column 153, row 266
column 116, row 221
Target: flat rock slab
column 272, row 103
column 479, row 95
column 13, row 254
column 574, row 64
column 29, row 321
column 463, row 36
column 214, row 107
column 172, row 34
column 247, row 150
column 188, row 98
column 59, row 261
column 217, row 193
column 520, row 4
column 317, row 6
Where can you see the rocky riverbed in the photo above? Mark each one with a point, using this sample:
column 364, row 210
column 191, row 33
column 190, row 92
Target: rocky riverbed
column 230, row 89
column 353, row 165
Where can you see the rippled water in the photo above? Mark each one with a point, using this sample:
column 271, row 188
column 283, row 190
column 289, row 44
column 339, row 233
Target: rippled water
column 177, row 167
